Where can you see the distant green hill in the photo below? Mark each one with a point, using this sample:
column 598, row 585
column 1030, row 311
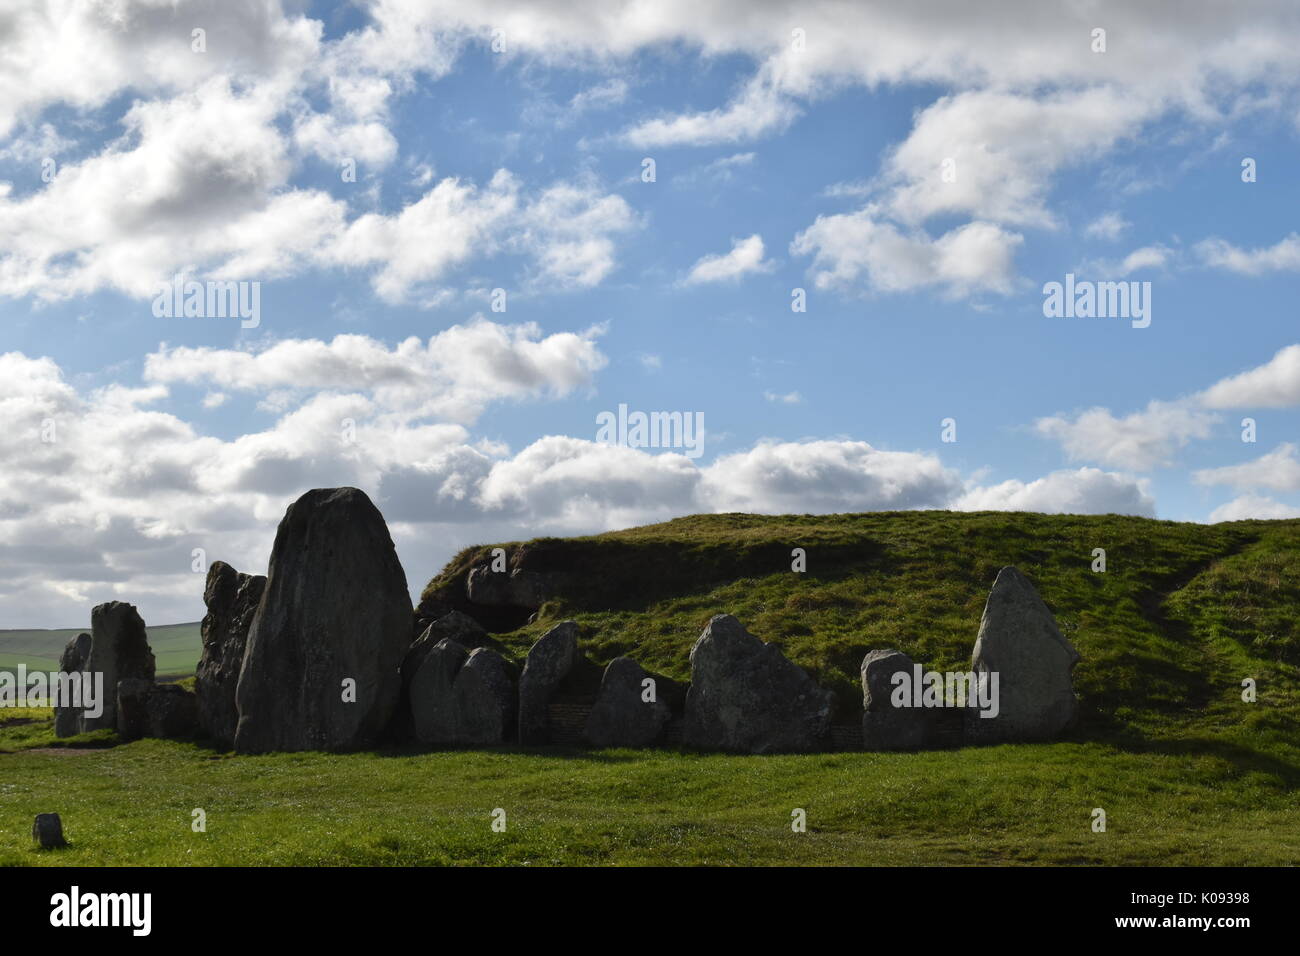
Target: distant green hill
column 176, row 648
column 1183, row 613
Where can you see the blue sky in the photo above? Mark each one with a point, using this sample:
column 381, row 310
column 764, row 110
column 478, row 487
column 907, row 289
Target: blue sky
column 782, row 162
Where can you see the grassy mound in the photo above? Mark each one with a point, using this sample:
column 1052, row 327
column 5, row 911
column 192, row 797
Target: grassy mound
column 1182, row 614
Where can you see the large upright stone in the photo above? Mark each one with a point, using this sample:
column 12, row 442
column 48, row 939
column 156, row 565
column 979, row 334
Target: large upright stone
column 746, row 697
column 231, row 599
column 429, row 671
column 549, row 661
column 119, row 650
column 459, row 698
column 1020, row 642
column 320, row 668
column 622, row 717
column 885, row 726
column 73, row 661
column 483, row 699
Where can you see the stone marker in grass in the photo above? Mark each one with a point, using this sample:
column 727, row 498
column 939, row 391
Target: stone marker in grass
column 47, row 831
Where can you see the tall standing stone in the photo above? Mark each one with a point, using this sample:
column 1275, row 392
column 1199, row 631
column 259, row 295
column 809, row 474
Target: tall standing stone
column 320, row 669
column 231, row 599
column 1020, row 642
column 119, row 650
column 549, row 661
column 746, row 697
column 67, row 720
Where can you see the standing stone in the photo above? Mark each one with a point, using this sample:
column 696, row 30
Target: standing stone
column 621, row 716
column 430, row 670
column 231, row 599
column 320, row 668
column 483, row 699
column 73, row 661
column 47, row 831
column 459, row 698
column 1020, row 642
column 549, row 662
column 884, row 726
column 746, row 697
column 119, row 650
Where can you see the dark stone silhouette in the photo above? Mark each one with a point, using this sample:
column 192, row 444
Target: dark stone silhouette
column 67, row 720
column 119, row 650
column 231, row 599
column 321, row 666
column 146, row 709
column 47, row 831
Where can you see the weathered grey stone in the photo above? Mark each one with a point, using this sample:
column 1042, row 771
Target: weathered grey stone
column 529, row 589
column 231, row 599
column 119, row 650
column 461, row 628
column 430, row 669
column 746, row 697
column 47, row 831
column 335, row 610
column 1020, row 642
column 483, row 699
column 621, row 716
column 884, row 726
column 549, row 662
column 459, row 698
column 517, row 588
column 73, row 661
column 146, row 709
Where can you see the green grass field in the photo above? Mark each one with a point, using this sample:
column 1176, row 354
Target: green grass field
column 176, row 648
column 1186, row 772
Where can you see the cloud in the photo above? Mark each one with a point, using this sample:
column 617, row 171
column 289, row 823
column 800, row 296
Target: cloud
column 789, row 398
column 1275, row 384
column 815, row 477
column 454, row 375
column 1085, row 491
column 1282, row 256
column 762, row 106
column 1108, row 226
column 1147, row 257
column 1277, row 470
column 1252, row 506
column 1139, row 442
column 721, row 170
column 850, row 248
column 1004, row 149
column 745, row 257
